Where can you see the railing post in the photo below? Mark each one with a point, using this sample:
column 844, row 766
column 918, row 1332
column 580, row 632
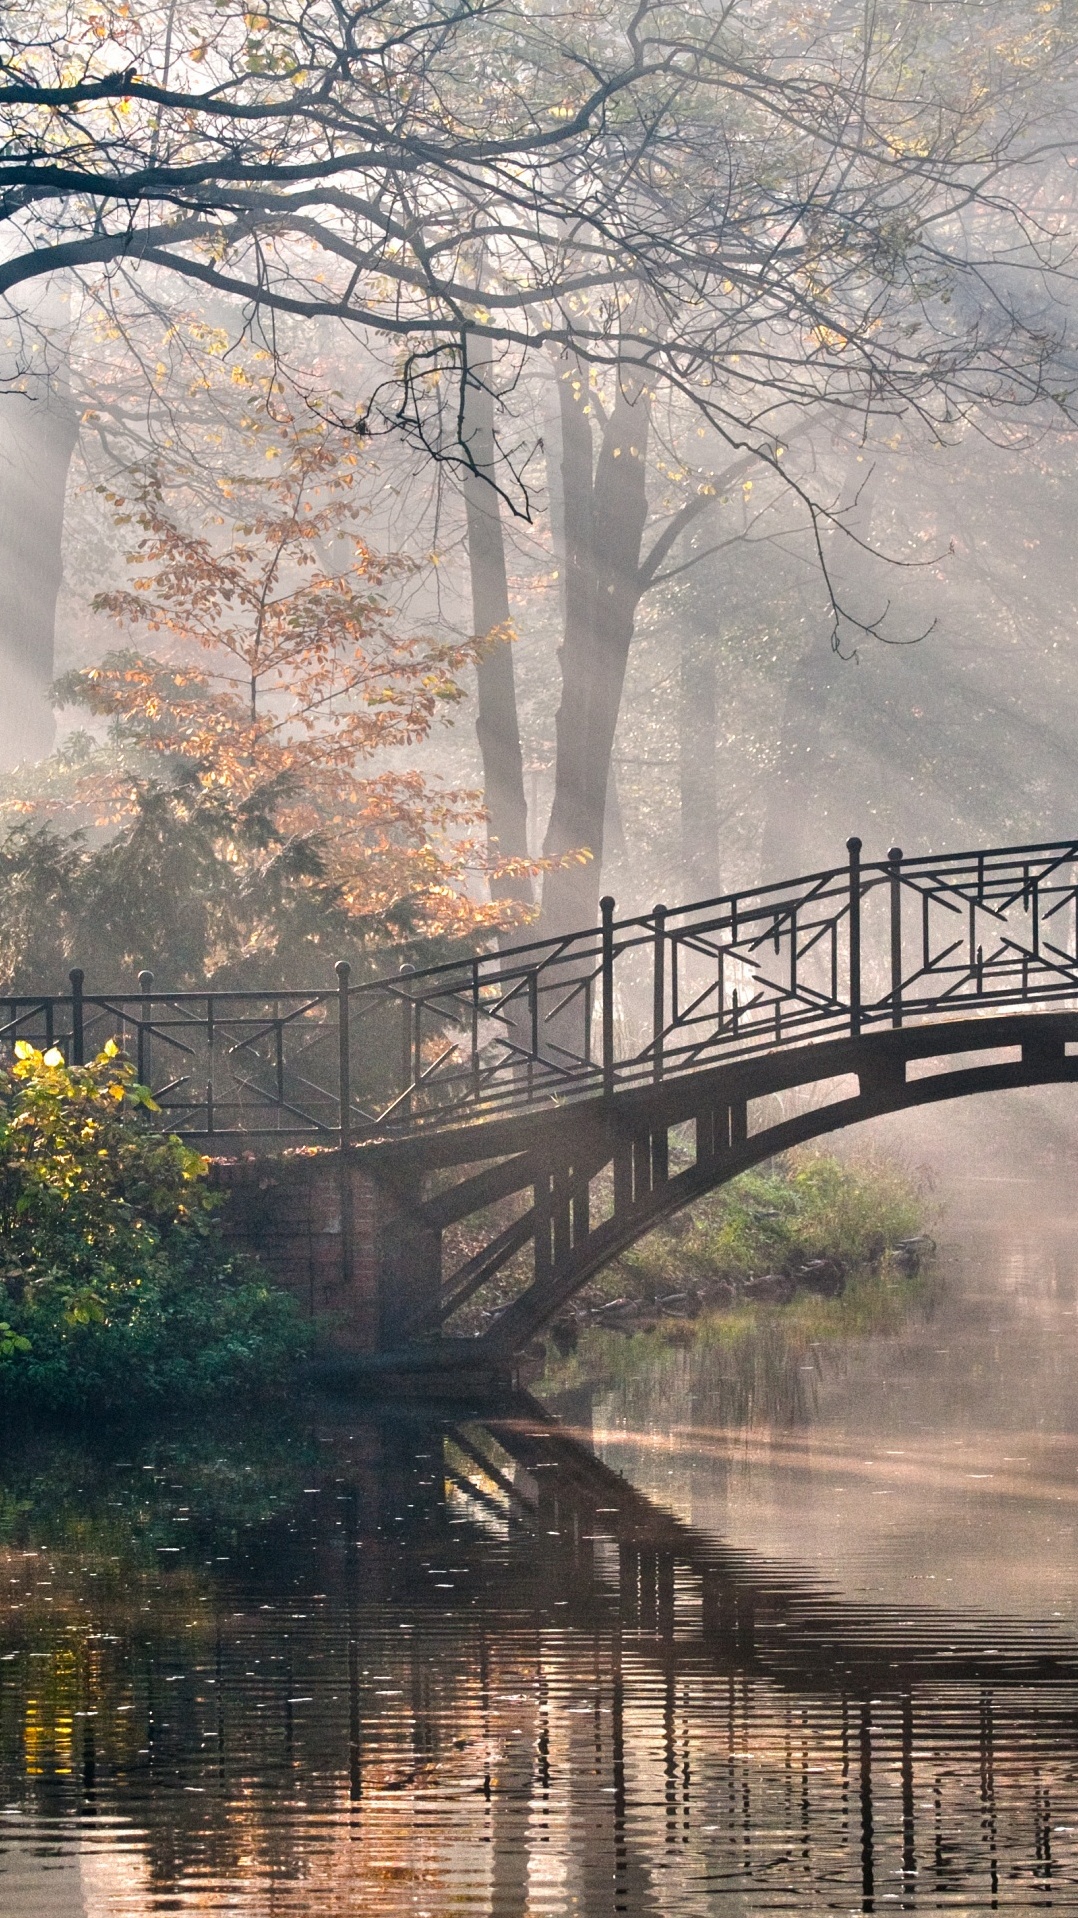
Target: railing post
column 210, row 1041
column 344, row 1054
column 894, row 860
column 658, row 994
column 606, row 907
column 475, row 1029
column 145, row 986
column 853, row 847
column 406, row 972
column 78, row 1033
column 344, row 1084
column 533, row 1011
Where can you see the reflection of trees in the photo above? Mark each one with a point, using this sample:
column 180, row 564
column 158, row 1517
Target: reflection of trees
column 476, row 1664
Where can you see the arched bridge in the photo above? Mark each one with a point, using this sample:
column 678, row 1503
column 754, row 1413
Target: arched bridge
column 525, row 1115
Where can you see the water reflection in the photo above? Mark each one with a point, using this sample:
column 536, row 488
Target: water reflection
column 417, row 1666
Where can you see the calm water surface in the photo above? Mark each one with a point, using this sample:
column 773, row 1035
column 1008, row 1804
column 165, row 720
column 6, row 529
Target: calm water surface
column 795, row 1632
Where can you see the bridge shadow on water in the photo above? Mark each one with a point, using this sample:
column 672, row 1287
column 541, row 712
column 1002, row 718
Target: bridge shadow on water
column 431, row 1663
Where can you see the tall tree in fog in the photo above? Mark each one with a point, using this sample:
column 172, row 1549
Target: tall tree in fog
column 497, row 722
column 615, row 551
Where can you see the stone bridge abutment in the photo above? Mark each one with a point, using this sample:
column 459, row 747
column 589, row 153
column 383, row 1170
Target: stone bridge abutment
column 350, row 1247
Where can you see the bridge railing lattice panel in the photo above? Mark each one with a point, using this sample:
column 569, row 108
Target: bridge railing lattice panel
column 220, row 1064
column 838, row 951
column 624, row 1003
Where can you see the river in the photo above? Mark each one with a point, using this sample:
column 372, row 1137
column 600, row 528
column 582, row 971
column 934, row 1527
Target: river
column 801, row 1635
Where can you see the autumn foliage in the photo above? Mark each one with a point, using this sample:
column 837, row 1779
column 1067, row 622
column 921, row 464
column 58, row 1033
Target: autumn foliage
column 262, row 739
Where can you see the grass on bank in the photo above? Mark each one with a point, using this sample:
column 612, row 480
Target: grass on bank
column 804, row 1207
column 117, row 1291
column 710, row 1280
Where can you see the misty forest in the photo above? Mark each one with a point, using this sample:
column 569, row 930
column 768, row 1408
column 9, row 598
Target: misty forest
column 538, row 957
column 456, row 463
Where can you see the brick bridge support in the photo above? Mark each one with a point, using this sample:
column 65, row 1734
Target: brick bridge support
column 347, row 1246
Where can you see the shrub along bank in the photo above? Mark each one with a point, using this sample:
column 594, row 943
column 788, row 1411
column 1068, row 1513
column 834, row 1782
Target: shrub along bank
column 809, row 1224
column 116, row 1291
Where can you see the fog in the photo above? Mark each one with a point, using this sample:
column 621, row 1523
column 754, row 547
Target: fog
column 747, row 746
column 538, row 957
column 657, row 584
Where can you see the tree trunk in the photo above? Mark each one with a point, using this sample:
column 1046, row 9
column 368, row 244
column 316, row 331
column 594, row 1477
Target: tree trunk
column 698, row 776
column 605, row 511
column 38, row 432
column 614, row 842
column 497, row 724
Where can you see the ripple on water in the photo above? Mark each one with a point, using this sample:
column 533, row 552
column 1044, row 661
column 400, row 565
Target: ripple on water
column 423, row 1667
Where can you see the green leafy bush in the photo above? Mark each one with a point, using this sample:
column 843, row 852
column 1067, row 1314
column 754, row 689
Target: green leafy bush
column 808, row 1205
column 116, row 1291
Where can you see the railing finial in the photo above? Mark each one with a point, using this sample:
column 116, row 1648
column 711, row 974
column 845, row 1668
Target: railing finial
column 145, row 986
column 408, row 1074
column 658, row 992
column 344, row 1054
column 894, row 860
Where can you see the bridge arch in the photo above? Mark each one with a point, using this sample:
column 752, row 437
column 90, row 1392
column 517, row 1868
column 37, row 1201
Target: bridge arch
column 737, row 1116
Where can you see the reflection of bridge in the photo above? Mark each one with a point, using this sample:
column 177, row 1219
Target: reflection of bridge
column 543, row 1107
column 864, row 1752
column 463, row 1663
column 773, row 1619
column 922, row 1695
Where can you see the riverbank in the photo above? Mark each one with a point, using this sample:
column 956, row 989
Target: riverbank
column 810, row 1250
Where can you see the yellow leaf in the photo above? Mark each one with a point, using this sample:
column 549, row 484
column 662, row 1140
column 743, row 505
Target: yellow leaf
column 54, row 1057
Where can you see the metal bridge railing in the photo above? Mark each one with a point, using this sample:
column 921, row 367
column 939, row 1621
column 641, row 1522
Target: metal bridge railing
column 624, row 1003
column 221, row 1065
